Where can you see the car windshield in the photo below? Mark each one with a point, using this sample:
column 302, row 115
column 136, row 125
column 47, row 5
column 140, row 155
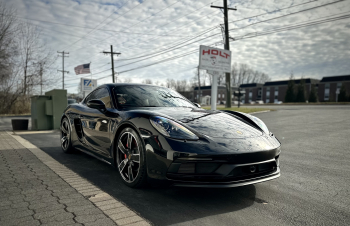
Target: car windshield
column 149, row 96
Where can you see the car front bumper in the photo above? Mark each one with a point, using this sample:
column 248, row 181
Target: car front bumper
column 229, row 184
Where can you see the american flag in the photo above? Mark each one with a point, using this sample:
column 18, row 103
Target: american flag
column 82, row 69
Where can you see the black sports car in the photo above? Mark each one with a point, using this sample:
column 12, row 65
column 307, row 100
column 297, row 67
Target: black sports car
column 153, row 134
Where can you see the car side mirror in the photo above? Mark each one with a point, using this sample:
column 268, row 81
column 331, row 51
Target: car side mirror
column 96, row 104
column 197, row 105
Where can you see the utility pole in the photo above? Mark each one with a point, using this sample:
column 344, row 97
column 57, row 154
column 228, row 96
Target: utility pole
column 63, row 71
column 199, row 86
column 112, row 53
column 41, row 77
column 239, row 96
column 227, row 47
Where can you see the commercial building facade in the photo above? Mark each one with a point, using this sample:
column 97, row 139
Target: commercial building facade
column 206, row 91
column 329, row 87
column 253, row 92
column 326, row 89
column 275, row 91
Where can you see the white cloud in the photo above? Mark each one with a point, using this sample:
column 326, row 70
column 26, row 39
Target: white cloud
column 313, row 51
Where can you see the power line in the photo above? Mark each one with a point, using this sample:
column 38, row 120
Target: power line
column 157, row 27
column 152, row 39
column 272, row 31
column 231, row 22
column 150, row 54
column 273, row 11
column 172, row 48
column 291, row 27
column 176, row 20
column 80, row 76
column 268, row 20
column 287, row 28
column 90, row 74
column 91, row 28
column 107, row 23
column 133, row 25
column 301, row 11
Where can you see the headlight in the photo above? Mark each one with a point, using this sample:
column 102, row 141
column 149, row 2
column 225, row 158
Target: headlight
column 171, row 129
column 261, row 124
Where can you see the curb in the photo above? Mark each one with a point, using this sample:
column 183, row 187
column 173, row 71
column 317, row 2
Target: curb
column 111, row 207
column 259, row 112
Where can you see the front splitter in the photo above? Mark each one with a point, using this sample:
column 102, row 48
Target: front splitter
column 240, row 183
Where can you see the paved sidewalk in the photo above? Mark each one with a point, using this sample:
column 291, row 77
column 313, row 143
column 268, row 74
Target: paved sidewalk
column 37, row 190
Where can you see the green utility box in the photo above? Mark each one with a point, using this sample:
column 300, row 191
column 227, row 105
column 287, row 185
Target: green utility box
column 56, row 105
column 47, row 110
column 40, row 121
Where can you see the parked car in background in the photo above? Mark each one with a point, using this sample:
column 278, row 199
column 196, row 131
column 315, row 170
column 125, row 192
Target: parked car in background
column 72, row 101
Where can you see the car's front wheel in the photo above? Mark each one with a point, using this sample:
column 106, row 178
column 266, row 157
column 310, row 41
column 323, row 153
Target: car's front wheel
column 130, row 158
column 66, row 142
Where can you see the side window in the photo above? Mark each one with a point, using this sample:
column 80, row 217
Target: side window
column 103, row 94
column 90, row 97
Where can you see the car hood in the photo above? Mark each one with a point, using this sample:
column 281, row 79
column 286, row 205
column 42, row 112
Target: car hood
column 215, row 124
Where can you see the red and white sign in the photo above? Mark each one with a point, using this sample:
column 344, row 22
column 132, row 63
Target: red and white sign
column 214, row 59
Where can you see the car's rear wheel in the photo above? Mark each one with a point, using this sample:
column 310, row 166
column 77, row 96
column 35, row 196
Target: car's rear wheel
column 130, row 158
column 66, row 143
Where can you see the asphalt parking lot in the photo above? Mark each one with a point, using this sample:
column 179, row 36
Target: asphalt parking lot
column 312, row 190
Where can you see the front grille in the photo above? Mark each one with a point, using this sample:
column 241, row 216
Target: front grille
column 219, row 172
column 253, row 169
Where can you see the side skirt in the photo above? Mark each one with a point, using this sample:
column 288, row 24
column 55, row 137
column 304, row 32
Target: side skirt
column 95, row 156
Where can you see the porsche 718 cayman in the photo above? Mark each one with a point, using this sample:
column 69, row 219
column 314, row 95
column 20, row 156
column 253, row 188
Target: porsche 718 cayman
column 153, row 134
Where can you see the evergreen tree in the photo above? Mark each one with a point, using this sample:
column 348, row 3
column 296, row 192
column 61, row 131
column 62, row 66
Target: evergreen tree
column 342, row 97
column 301, row 91
column 313, row 94
column 290, row 96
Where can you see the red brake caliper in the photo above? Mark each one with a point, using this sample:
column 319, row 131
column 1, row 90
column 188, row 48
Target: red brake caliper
column 126, row 147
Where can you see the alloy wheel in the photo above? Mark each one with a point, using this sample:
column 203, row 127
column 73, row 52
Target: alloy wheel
column 65, row 134
column 128, row 157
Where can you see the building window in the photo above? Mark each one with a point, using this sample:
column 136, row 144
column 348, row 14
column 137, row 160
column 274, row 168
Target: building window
column 219, row 95
column 276, row 94
column 223, row 95
column 250, row 95
column 267, row 93
column 326, row 91
column 267, row 100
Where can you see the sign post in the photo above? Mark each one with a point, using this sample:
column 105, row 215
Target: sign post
column 214, row 88
column 239, row 94
column 215, row 61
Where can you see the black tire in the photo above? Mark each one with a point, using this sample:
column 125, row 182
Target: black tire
column 66, row 134
column 131, row 169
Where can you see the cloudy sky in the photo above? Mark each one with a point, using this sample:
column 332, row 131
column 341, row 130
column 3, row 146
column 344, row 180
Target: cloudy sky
column 148, row 32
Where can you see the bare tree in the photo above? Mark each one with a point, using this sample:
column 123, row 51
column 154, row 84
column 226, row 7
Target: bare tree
column 147, row 81
column 23, row 61
column 127, row 80
column 234, row 74
column 242, row 73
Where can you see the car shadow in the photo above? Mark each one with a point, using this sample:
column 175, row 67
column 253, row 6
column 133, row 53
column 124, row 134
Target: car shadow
column 161, row 206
